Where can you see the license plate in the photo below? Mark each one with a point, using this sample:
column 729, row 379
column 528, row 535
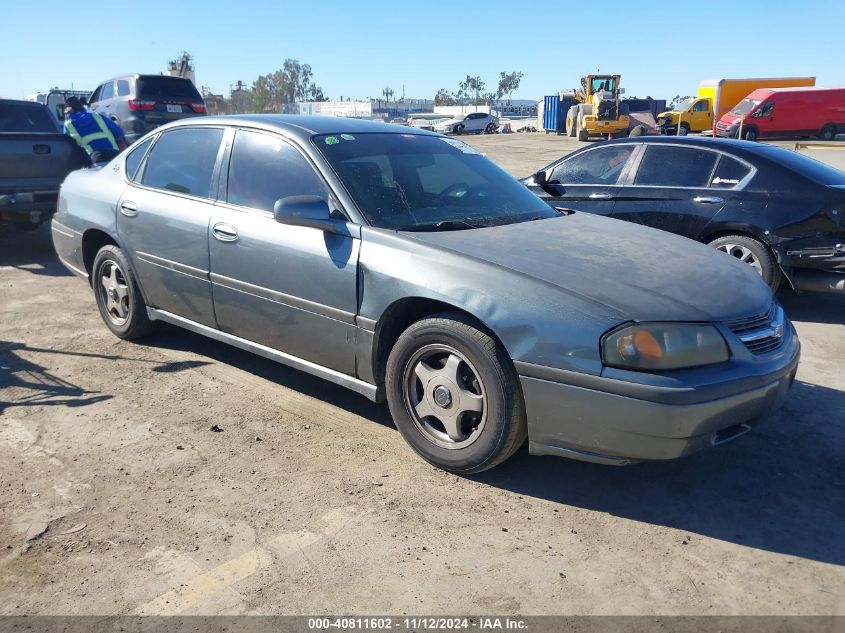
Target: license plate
column 174, row 108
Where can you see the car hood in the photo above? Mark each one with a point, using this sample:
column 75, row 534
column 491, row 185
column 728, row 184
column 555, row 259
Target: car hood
column 642, row 274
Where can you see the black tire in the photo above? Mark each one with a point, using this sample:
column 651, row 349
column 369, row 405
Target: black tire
column 828, row 133
column 754, row 253
column 749, row 134
column 118, row 297
column 490, row 129
column 683, row 129
column 482, row 370
column 458, row 129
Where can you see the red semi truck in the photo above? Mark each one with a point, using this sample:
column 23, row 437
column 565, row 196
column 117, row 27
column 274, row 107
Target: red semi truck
column 785, row 112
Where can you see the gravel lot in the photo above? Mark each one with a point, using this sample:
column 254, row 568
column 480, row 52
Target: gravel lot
column 118, row 497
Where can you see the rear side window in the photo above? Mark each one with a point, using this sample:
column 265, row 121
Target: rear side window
column 729, row 173
column 264, row 168
column 122, row 88
column 183, row 161
column 25, row 119
column 602, row 166
column 134, row 158
column 667, row 166
column 158, row 86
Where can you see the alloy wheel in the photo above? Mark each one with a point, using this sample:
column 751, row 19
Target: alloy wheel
column 114, row 292
column 444, row 396
column 743, row 254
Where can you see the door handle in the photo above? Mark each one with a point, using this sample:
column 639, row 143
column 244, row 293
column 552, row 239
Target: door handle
column 129, row 208
column 600, row 196
column 224, row 232
column 708, row 199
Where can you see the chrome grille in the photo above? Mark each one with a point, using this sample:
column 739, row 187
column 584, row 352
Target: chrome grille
column 763, row 333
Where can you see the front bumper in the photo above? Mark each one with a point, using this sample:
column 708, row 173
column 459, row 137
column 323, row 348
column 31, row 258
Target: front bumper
column 727, row 131
column 609, row 421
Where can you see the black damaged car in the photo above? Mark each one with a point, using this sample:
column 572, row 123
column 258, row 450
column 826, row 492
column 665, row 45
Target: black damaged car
column 781, row 212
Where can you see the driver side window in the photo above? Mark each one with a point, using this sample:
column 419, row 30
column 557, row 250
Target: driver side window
column 601, row 166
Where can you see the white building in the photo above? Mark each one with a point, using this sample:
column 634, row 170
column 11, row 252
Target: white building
column 353, row 109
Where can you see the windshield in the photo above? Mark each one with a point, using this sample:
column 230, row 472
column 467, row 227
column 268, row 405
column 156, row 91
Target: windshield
column 421, row 182
column 684, row 105
column 151, row 86
column 744, row 107
column 602, row 83
column 804, row 165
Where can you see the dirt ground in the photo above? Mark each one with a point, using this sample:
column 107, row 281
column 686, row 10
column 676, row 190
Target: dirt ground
column 181, row 476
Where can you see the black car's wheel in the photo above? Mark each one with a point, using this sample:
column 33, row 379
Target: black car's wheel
column 454, row 394
column 458, row 129
column 754, row 253
column 118, row 296
column 828, row 133
column 683, row 129
column 749, row 134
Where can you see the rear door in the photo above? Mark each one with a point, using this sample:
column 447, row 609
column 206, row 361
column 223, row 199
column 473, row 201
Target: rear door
column 291, row 288
column 678, row 188
column 589, row 181
column 163, row 220
column 105, row 99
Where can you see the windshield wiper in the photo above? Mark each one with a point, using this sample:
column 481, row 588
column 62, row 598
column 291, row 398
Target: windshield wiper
column 442, row 225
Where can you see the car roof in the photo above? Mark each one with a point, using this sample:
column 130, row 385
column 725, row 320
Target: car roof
column 21, row 102
column 303, row 127
column 729, row 145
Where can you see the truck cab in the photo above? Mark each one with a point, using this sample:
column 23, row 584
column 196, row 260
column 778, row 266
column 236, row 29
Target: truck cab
column 691, row 115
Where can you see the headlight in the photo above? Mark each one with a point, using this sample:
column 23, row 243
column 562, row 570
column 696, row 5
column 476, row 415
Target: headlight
column 657, row 346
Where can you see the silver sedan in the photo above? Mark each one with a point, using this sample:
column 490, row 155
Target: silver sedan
column 406, row 266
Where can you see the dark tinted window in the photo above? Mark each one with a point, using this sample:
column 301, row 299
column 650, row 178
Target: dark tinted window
column 601, row 166
column 183, row 160
column 25, row 118
column 767, row 109
column 803, row 165
column 150, row 86
column 265, row 168
column 134, row 158
column 667, row 166
column 701, row 106
column 122, row 88
column 419, row 182
column 108, row 91
column 729, row 173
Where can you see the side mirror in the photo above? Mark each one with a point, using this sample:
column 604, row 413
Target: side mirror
column 540, row 178
column 312, row 211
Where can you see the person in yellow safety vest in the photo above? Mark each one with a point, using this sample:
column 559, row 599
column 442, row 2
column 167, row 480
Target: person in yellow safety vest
column 100, row 137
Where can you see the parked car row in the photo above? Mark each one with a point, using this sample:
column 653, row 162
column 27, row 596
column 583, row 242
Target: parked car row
column 404, row 265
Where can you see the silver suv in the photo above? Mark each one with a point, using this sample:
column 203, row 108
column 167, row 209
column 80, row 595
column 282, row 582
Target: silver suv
column 140, row 103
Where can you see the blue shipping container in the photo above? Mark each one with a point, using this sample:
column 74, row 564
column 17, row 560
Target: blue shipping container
column 554, row 113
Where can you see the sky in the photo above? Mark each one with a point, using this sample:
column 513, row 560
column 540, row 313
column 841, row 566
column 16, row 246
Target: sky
column 356, row 49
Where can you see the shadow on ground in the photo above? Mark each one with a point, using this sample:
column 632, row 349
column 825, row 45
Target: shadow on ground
column 815, row 307
column 31, row 251
column 780, row 488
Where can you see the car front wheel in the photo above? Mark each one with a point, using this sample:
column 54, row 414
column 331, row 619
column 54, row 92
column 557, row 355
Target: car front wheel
column 118, row 296
column 752, row 252
column 454, row 394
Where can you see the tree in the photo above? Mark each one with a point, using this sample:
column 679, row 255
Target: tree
column 261, row 96
column 444, row 98
column 676, row 100
column 473, row 86
column 508, row 84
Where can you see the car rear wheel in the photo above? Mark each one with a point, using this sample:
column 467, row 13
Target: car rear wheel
column 828, row 133
column 118, row 297
column 752, row 252
column 490, row 129
column 454, row 394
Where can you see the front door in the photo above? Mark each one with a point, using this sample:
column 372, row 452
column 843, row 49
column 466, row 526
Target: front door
column 291, row 288
column 163, row 219
column 588, row 181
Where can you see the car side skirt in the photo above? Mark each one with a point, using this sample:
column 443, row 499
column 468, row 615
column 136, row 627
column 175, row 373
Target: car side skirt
column 338, row 378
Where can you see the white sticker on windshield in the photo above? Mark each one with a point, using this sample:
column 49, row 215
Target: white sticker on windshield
column 466, row 149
